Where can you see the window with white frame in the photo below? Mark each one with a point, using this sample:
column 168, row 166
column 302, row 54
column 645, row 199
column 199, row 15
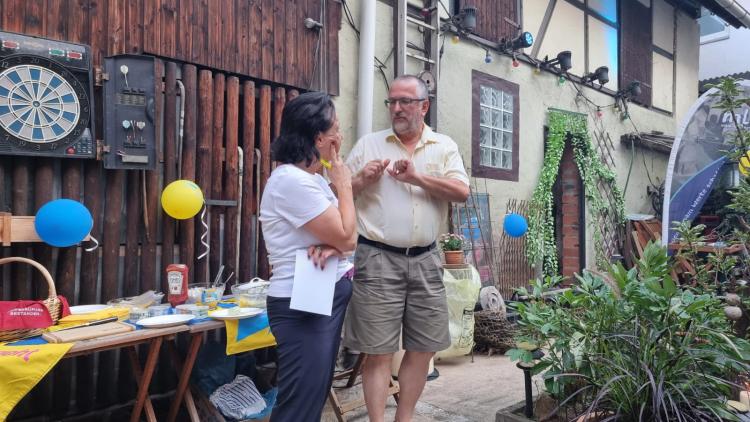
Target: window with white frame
column 712, row 27
column 494, row 127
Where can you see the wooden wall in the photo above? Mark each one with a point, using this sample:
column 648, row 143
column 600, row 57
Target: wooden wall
column 494, row 18
column 239, row 62
column 263, row 39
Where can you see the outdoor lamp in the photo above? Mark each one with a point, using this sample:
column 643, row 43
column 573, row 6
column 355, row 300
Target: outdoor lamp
column 632, row 90
column 601, row 74
column 522, row 41
column 466, row 19
column 527, row 367
column 563, row 60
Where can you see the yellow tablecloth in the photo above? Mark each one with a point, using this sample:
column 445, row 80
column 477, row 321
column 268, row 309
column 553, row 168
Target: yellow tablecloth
column 22, row 368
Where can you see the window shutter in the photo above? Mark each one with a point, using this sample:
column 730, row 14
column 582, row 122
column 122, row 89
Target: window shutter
column 636, row 62
column 491, row 18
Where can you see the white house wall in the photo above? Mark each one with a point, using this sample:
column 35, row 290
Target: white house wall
column 663, row 34
column 687, row 50
column 537, row 93
column 564, row 33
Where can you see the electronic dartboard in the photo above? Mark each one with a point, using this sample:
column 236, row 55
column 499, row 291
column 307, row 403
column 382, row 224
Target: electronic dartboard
column 45, row 98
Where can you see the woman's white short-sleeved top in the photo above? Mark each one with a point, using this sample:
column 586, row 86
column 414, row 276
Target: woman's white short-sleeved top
column 292, row 197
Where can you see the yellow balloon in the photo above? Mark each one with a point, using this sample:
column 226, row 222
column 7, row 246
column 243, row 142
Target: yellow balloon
column 744, row 164
column 182, row 199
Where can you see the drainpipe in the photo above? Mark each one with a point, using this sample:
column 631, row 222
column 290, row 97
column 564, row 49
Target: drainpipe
column 736, row 10
column 366, row 67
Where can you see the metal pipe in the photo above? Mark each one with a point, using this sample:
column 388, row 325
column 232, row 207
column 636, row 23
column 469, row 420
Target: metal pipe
column 736, row 10
column 529, row 407
column 366, row 67
column 182, row 127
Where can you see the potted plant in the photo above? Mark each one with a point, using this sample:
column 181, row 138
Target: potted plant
column 453, row 248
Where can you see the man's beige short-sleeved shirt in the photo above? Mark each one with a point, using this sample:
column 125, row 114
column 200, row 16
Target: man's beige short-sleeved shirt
column 400, row 214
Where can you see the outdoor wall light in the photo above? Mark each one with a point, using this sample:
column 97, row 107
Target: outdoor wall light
column 466, row 19
column 632, row 90
column 524, row 40
column 601, row 74
column 563, row 61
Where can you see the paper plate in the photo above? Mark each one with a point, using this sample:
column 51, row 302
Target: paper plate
column 87, row 309
column 163, row 321
column 238, row 313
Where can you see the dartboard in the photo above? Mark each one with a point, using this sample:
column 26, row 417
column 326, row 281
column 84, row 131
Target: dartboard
column 41, row 103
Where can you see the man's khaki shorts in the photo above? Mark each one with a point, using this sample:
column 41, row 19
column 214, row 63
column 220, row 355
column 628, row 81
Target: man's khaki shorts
column 392, row 292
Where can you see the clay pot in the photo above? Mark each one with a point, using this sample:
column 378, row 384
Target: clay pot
column 454, row 257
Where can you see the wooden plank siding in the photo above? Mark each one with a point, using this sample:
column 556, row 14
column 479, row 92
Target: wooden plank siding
column 635, row 48
column 491, row 18
column 240, row 61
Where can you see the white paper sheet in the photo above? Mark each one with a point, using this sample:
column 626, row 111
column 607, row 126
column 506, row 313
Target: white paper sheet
column 313, row 288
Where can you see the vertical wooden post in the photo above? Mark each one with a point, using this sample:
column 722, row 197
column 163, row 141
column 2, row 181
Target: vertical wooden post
column 110, row 272
column 231, row 175
column 43, row 183
column 65, row 284
column 265, row 170
column 248, row 174
column 187, row 227
column 20, row 274
column 93, row 186
column 203, row 161
column 170, row 163
column 134, row 193
column 151, row 206
column 217, row 173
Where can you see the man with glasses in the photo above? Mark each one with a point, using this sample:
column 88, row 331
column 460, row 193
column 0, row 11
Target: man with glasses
column 398, row 293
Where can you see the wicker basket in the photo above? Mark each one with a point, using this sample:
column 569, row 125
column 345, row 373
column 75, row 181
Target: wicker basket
column 52, row 302
column 493, row 332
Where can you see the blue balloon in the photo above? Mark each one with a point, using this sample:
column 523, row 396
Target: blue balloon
column 63, row 222
column 515, row 225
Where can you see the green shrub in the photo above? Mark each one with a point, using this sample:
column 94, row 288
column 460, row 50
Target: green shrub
column 634, row 345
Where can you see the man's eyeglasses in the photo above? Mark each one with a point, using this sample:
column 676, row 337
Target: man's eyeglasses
column 403, row 102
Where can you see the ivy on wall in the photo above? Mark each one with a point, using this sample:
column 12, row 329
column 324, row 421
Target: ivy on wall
column 541, row 244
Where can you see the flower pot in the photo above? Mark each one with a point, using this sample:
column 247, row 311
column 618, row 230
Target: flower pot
column 454, row 257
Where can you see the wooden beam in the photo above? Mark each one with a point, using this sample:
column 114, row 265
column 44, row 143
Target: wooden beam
column 170, row 164
column 217, row 173
column 204, row 159
column 231, row 175
column 189, row 147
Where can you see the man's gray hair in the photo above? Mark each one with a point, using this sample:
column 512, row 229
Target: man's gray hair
column 422, row 89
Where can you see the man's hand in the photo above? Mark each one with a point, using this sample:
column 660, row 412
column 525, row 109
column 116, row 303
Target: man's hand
column 320, row 254
column 372, row 171
column 404, row 171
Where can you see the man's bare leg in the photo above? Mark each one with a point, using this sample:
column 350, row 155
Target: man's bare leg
column 376, row 376
column 411, row 379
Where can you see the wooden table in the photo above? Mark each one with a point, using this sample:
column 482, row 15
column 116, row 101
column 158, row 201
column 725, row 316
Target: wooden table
column 129, row 341
column 186, row 368
column 155, row 337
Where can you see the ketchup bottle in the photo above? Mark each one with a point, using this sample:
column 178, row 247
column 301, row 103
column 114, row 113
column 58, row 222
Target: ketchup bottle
column 177, row 279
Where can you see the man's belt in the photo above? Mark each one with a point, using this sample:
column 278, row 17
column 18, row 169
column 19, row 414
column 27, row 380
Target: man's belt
column 411, row 251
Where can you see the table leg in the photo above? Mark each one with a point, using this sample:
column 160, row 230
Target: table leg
column 138, row 375
column 148, row 372
column 185, row 369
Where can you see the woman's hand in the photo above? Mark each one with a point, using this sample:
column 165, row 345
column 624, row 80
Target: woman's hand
column 339, row 173
column 320, row 254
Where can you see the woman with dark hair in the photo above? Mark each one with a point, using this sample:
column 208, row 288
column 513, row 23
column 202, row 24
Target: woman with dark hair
column 300, row 211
